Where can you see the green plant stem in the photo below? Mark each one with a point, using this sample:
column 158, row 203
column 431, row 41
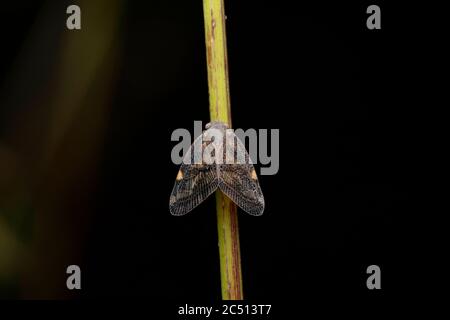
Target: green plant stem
column 219, row 108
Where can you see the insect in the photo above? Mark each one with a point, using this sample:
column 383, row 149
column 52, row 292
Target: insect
column 216, row 160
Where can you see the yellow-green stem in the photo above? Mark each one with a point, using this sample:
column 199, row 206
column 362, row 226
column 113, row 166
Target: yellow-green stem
column 219, row 108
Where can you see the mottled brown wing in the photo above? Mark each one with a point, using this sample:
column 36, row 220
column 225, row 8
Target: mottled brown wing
column 193, row 184
column 240, row 182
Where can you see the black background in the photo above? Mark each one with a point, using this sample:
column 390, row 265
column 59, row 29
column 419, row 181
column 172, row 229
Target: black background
column 336, row 206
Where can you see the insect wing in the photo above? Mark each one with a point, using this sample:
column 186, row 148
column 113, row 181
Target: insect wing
column 239, row 180
column 194, row 181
